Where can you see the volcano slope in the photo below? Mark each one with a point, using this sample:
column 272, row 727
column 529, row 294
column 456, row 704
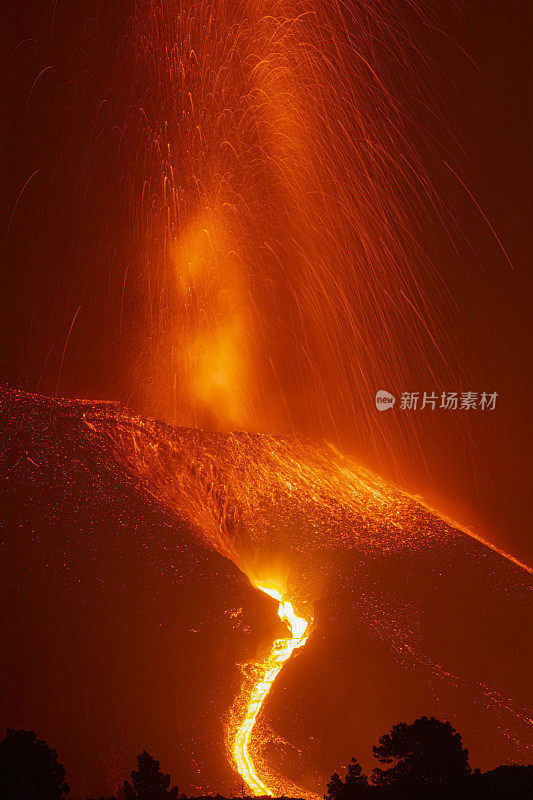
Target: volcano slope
column 129, row 552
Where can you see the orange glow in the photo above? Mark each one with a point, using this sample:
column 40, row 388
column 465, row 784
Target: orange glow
column 286, row 197
column 270, row 504
column 283, row 200
column 254, row 697
column 213, row 334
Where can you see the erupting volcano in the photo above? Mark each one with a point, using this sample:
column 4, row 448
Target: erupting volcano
column 266, row 245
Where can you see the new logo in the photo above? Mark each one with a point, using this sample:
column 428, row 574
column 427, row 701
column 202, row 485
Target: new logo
column 384, row 400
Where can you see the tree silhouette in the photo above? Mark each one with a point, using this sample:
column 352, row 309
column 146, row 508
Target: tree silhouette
column 148, row 782
column 355, row 784
column 355, row 777
column 427, row 753
column 29, row 768
column 335, row 787
column 429, row 762
column 508, row 782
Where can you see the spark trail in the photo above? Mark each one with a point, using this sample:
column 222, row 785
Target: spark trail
column 284, row 189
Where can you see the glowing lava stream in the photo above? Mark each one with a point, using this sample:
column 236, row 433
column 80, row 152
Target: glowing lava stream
column 282, row 649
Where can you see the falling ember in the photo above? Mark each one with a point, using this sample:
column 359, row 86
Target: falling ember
column 281, row 212
column 255, row 696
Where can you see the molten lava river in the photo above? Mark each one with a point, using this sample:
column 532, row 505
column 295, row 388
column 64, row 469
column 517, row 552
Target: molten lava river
column 252, row 700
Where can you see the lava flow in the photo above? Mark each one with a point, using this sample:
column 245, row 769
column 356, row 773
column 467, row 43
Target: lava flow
column 255, row 696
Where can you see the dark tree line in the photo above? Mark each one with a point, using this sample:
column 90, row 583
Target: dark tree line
column 422, row 761
column 427, row 761
column 29, row 770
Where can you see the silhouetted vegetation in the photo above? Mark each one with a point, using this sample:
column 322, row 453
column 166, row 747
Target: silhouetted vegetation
column 426, row 752
column 425, row 760
column 29, row 769
column 148, row 782
column 428, row 762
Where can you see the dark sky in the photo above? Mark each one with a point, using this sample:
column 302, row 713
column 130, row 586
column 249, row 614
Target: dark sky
column 67, row 243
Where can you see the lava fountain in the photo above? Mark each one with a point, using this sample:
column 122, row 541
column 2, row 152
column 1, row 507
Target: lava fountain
column 284, row 191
